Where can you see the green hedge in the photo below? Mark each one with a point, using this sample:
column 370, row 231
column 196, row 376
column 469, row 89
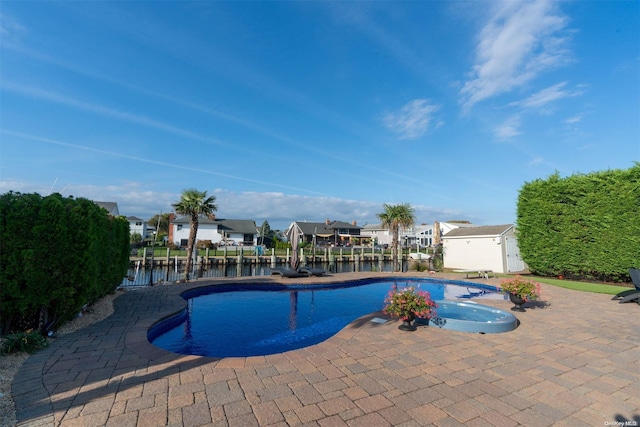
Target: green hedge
column 586, row 226
column 58, row 254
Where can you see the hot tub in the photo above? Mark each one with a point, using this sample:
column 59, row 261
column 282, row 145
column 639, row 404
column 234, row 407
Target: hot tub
column 471, row 317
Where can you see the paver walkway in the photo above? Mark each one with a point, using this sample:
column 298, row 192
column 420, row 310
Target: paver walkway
column 574, row 360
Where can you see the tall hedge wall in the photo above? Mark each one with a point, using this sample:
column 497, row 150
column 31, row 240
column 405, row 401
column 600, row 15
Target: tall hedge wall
column 585, row 226
column 57, row 254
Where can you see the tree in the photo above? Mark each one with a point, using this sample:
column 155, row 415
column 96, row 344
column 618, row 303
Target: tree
column 194, row 203
column 163, row 226
column 583, row 226
column 394, row 217
column 58, row 254
column 135, row 238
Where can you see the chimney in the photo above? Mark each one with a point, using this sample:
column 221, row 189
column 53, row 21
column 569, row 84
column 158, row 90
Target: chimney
column 212, row 216
column 354, row 223
column 436, row 233
column 328, row 221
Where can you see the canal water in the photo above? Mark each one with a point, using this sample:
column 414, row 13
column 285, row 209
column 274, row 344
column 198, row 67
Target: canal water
column 140, row 276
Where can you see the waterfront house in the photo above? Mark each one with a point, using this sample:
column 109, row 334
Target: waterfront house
column 137, row 225
column 423, row 235
column 334, row 233
column 241, row 232
column 377, row 234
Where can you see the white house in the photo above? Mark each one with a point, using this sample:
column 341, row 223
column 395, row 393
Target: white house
column 137, row 225
column 377, row 234
column 488, row 247
column 238, row 231
column 424, row 234
column 219, row 231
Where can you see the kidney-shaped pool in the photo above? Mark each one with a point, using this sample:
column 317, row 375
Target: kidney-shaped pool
column 265, row 318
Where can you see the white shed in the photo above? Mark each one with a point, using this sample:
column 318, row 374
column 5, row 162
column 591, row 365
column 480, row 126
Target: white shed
column 489, row 247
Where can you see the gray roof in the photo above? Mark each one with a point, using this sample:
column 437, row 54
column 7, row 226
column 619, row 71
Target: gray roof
column 483, row 230
column 201, row 220
column 311, row 228
column 111, row 207
column 245, row 226
column 373, row 227
column 134, row 218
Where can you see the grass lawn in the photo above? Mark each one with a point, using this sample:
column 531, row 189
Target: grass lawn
column 599, row 288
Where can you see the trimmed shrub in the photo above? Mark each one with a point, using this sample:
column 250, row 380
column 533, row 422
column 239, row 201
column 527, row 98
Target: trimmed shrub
column 58, row 254
column 583, row 226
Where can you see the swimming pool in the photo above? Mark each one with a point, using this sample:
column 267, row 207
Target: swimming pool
column 266, row 318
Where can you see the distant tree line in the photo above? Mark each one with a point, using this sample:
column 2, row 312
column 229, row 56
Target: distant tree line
column 58, row 254
column 586, row 226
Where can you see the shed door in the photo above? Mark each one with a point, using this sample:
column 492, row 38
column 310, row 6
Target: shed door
column 514, row 260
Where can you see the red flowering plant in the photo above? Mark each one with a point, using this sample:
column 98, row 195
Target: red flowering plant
column 524, row 288
column 409, row 302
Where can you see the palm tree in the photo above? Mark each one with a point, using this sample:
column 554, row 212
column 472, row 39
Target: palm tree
column 394, row 217
column 194, row 203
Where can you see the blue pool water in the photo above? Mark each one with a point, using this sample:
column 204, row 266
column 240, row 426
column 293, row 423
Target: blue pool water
column 266, row 318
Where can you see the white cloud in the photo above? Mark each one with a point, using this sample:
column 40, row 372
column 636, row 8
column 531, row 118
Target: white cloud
column 574, row 119
column 17, row 186
column 546, row 96
column 54, row 97
column 147, row 161
column 10, row 29
column 412, row 121
column 509, row 129
column 522, row 40
column 536, row 161
column 279, row 209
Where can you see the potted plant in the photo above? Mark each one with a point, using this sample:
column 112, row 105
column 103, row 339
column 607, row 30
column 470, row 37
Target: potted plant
column 408, row 303
column 520, row 290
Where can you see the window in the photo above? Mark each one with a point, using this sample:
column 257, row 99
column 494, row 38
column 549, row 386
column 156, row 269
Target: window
column 179, row 227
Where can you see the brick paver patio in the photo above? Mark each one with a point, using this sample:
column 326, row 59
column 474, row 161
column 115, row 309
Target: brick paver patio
column 574, row 360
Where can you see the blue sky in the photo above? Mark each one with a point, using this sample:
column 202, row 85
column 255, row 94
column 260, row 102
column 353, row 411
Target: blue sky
column 312, row 110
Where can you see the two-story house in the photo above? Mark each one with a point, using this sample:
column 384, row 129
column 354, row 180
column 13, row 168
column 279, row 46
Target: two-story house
column 137, row 225
column 377, row 234
column 424, row 235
